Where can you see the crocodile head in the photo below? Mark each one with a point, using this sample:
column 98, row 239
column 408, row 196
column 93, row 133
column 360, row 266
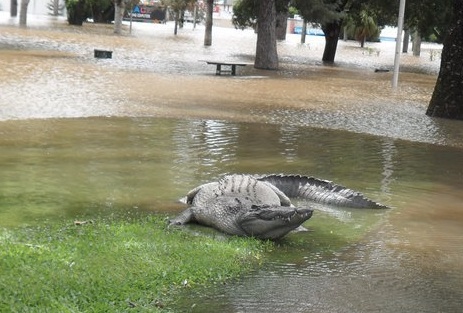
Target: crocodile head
column 272, row 222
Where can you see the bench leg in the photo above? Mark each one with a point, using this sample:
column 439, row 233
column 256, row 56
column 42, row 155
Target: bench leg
column 218, row 70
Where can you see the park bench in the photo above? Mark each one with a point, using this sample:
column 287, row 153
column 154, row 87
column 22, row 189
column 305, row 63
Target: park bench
column 231, row 67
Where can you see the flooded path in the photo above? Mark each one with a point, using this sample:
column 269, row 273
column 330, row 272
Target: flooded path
column 81, row 136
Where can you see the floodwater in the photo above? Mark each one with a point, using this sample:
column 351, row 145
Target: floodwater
column 84, row 137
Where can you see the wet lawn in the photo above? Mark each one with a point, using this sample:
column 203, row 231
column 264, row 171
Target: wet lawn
column 113, row 264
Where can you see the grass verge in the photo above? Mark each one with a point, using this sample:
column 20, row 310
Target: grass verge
column 115, row 264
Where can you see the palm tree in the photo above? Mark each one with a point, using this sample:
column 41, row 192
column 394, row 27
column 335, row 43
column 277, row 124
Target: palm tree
column 361, row 26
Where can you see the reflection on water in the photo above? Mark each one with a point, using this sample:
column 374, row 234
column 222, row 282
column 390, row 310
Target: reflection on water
column 411, row 261
column 217, row 140
column 396, row 121
column 388, row 152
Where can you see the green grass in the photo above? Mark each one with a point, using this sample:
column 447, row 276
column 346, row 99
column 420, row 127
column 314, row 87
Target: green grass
column 114, row 264
column 135, row 263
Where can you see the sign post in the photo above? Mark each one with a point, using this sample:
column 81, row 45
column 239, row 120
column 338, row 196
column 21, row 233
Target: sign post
column 398, row 42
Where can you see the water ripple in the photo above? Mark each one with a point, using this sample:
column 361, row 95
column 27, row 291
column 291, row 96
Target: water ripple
column 396, row 121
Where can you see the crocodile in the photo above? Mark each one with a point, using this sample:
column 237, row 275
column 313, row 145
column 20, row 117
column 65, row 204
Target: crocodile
column 260, row 206
column 241, row 205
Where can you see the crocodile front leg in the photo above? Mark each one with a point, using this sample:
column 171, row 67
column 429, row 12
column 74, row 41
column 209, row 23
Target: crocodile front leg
column 183, row 218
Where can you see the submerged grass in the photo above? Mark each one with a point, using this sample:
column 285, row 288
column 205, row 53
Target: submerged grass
column 113, row 265
column 326, row 236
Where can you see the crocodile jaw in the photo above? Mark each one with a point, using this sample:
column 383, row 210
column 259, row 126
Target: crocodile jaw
column 273, row 222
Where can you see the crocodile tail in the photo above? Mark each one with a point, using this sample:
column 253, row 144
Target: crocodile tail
column 288, row 184
column 320, row 191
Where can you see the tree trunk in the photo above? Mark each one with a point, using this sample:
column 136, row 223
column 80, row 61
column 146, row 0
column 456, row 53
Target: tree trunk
column 119, row 7
column 281, row 25
column 362, row 42
column 304, row 31
column 195, row 15
column 406, row 40
column 176, row 22
column 181, row 20
column 266, row 48
column 208, row 30
column 23, row 13
column 14, row 8
column 332, row 31
column 416, row 44
column 447, row 99
column 55, row 7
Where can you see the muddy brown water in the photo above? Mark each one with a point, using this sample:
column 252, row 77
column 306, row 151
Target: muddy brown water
column 82, row 137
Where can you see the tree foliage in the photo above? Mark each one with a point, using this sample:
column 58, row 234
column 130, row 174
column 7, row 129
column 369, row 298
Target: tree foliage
column 55, row 7
column 363, row 25
column 179, row 7
column 101, row 11
column 245, row 14
column 386, row 12
column 77, row 11
column 319, row 11
column 429, row 17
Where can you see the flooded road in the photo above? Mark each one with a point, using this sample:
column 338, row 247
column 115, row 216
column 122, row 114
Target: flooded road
column 84, row 137
column 154, row 73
